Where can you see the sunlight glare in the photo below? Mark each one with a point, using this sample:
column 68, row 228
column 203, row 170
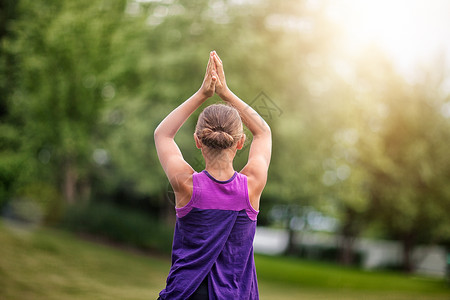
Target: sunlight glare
column 410, row 32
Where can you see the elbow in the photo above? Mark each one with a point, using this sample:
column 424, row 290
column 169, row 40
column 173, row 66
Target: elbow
column 156, row 133
column 161, row 133
column 264, row 132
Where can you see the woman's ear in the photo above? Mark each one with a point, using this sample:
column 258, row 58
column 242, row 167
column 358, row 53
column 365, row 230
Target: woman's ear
column 198, row 143
column 240, row 143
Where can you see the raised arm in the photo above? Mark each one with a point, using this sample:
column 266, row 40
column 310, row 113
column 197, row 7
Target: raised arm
column 261, row 147
column 170, row 157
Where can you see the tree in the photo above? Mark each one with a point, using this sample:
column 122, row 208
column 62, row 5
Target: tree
column 67, row 61
column 10, row 125
column 404, row 151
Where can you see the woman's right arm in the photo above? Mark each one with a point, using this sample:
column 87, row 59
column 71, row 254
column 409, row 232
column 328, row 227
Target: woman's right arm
column 261, row 148
column 178, row 171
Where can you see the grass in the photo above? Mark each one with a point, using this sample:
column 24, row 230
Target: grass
column 50, row 264
column 313, row 280
column 43, row 263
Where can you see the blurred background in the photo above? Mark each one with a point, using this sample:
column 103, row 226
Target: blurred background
column 357, row 94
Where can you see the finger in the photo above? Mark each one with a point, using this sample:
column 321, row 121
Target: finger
column 219, row 67
column 212, row 84
column 217, row 81
column 214, row 75
column 210, row 65
column 215, row 53
column 213, row 64
column 217, row 60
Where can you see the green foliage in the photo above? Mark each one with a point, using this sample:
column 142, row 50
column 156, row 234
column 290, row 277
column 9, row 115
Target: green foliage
column 120, row 225
column 325, row 254
column 10, row 168
column 37, row 203
column 402, row 150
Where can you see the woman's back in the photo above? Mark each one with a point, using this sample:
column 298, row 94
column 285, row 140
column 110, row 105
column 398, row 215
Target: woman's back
column 213, row 239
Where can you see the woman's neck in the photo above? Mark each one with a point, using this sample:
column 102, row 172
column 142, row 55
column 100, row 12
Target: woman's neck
column 220, row 166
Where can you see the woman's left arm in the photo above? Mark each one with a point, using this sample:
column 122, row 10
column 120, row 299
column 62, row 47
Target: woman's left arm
column 169, row 154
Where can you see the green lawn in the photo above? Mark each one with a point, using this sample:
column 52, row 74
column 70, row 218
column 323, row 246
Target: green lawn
column 51, row 264
column 312, row 280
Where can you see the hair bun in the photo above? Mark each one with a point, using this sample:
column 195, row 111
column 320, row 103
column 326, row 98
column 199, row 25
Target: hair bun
column 216, row 139
column 219, row 127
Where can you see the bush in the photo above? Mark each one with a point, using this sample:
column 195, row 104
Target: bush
column 326, row 253
column 122, row 225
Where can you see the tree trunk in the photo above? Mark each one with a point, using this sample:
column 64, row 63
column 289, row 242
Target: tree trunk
column 346, row 256
column 408, row 246
column 84, row 190
column 291, row 212
column 291, row 248
column 69, row 184
column 349, row 232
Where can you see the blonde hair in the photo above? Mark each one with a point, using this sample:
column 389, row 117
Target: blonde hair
column 219, row 126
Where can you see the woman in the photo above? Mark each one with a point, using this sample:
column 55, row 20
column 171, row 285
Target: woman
column 212, row 254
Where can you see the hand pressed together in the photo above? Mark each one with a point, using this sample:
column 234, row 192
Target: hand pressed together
column 214, row 81
column 209, row 82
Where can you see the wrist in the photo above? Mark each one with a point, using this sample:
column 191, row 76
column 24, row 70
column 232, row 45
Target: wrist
column 201, row 95
column 226, row 94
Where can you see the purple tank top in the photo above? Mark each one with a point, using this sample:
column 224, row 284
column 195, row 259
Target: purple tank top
column 213, row 239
